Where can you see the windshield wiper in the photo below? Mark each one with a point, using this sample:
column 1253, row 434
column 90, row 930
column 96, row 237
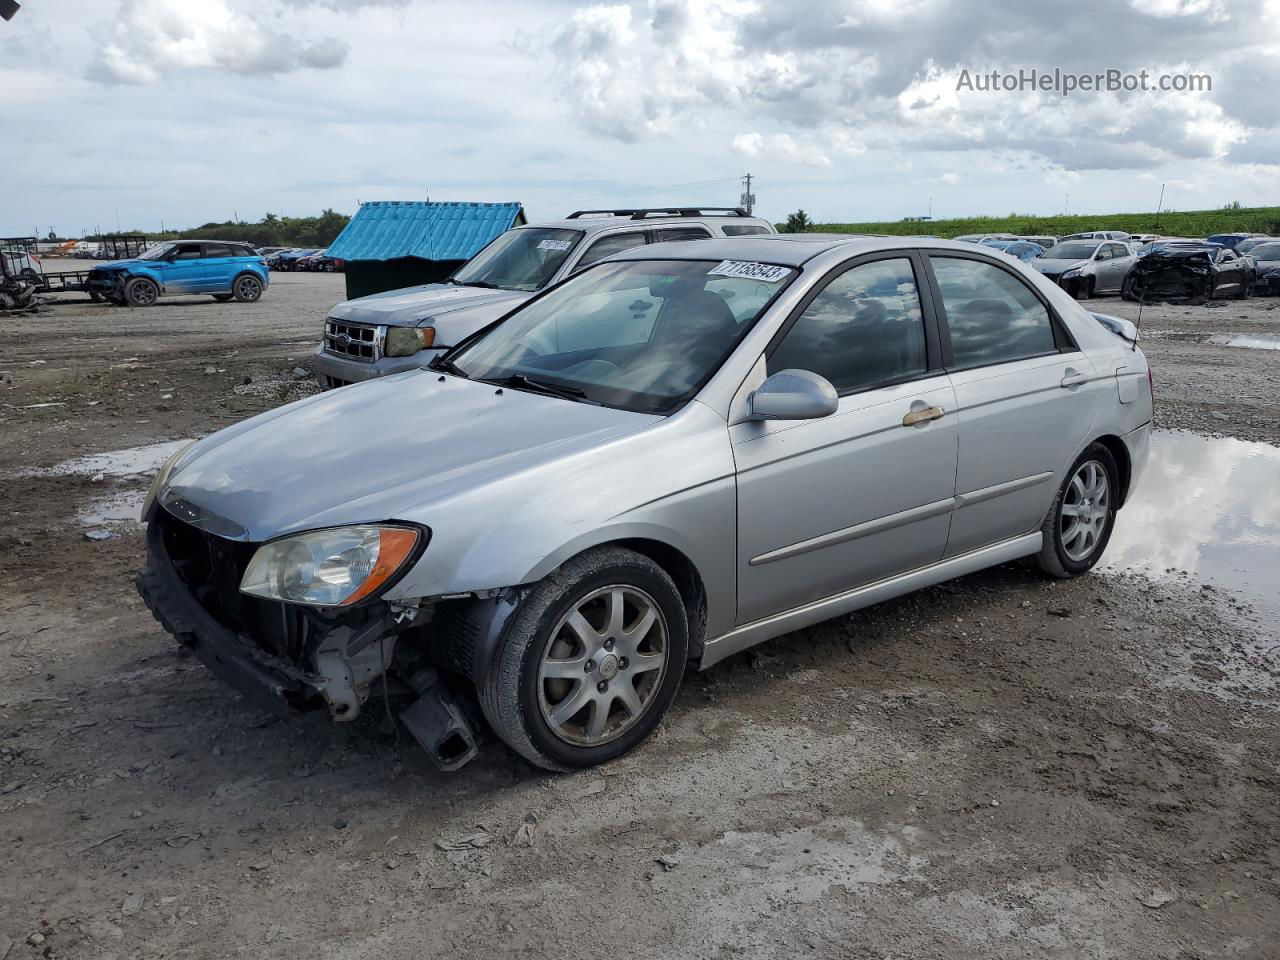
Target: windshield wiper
column 520, row 381
column 482, row 284
column 445, row 365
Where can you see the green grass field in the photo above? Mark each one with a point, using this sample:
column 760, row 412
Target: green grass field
column 1188, row 223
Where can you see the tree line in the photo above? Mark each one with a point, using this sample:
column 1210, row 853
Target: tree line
column 272, row 230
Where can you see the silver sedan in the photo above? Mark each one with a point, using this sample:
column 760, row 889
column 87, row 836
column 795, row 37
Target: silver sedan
column 1087, row 267
column 682, row 452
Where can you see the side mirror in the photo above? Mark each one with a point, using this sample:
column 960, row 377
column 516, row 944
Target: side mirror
column 794, row 395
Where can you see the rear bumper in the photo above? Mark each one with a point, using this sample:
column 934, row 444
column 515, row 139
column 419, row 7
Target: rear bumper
column 270, row 682
column 333, row 371
column 1138, row 443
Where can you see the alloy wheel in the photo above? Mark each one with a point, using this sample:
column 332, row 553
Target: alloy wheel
column 247, row 288
column 1086, row 506
column 603, row 665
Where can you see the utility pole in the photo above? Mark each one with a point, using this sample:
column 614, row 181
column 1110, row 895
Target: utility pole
column 748, row 199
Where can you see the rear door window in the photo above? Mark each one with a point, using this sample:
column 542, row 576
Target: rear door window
column 680, row 233
column 212, row 250
column 993, row 317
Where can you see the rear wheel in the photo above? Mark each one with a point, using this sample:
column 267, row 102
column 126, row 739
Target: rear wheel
column 141, row 292
column 247, row 288
column 590, row 662
column 1079, row 524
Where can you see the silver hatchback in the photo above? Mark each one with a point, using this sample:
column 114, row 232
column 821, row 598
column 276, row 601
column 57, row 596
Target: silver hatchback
column 683, row 451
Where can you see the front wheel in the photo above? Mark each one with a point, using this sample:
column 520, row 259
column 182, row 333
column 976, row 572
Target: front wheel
column 1083, row 514
column 247, row 288
column 141, row 292
column 1247, row 290
column 590, row 662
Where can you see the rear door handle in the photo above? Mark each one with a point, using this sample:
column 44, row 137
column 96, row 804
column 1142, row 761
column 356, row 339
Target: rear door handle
column 1073, row 379
column 922, row 416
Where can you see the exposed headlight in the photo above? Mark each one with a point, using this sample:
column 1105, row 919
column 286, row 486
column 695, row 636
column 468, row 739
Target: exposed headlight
column 1073, row 272
column 406, row 341
column 329, row 568
column 162, row 480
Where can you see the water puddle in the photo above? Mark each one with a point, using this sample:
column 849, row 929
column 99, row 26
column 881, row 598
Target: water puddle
column 130, row 463
column 1209, row 506
column 1248, row 342
column 1207, row 509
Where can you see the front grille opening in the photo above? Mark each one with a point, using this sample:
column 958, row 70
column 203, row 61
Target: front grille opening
column 212, row 568
column 355, row 341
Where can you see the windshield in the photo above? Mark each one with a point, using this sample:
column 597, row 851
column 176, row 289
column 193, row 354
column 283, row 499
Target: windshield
column 641, row 335
column 1076, row 250
column 521, row 259
column 1267, row 251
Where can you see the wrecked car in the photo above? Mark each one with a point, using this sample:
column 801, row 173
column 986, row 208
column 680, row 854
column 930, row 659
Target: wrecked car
column 401, row 329
column 1086, row 267
column 1191, row 272
column 1267, row 263
column 227, row 271
column 679, row 453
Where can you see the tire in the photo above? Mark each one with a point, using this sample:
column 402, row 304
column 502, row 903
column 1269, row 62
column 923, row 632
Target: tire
column 141, row 292
column 1064, row 553
column 246, row 288
column 1246, row 290
column 536, row 666
column 223, row 297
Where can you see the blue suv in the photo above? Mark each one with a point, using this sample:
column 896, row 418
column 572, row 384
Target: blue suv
column 228, row 271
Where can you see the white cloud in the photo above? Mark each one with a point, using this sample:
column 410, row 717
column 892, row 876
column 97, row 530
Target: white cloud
column 779, row 146
column 884, row 76
column 146, row 39
column 950, row 179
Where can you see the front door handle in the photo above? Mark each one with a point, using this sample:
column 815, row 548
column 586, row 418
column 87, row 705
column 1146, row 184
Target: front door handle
column 922, row 416
column 1073, row 379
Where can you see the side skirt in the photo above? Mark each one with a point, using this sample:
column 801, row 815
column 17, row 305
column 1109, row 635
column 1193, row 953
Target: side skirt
column 748, row 635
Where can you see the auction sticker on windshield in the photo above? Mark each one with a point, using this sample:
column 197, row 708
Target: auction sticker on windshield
column 554, row 244
column 749, row 270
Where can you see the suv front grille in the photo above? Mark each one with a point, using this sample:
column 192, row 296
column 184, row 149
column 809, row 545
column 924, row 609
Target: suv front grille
column 355, row 341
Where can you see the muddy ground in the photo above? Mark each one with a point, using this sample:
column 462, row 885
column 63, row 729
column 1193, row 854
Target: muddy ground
column 999, row 767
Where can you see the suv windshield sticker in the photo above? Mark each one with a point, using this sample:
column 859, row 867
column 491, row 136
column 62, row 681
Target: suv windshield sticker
column 749, row 270
column 554, row 244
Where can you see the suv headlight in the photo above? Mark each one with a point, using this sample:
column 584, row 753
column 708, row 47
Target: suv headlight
column 1073, row 272
column 329, row 568
column 406, row 341
column 162, row 479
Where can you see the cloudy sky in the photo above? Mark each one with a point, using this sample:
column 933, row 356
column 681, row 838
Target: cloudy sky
column 184, row 111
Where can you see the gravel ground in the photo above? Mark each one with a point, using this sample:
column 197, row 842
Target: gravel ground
column 1000, row 767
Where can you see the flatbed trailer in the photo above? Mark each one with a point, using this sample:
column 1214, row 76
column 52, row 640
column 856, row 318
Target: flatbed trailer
column 65, row 281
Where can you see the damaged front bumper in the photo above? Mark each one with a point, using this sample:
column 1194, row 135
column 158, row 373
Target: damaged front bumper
column 288, row 659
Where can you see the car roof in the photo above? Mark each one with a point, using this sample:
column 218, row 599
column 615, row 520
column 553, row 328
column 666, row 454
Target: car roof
column 788, row 250
column 596, row 224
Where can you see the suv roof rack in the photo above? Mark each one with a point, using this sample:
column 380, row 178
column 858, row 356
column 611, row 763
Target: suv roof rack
column 640, row 213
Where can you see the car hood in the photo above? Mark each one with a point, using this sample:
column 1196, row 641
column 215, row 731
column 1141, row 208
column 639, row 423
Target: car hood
column 124, row 264
column 432, row 303
column 1056, row 266
column 382, row 450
